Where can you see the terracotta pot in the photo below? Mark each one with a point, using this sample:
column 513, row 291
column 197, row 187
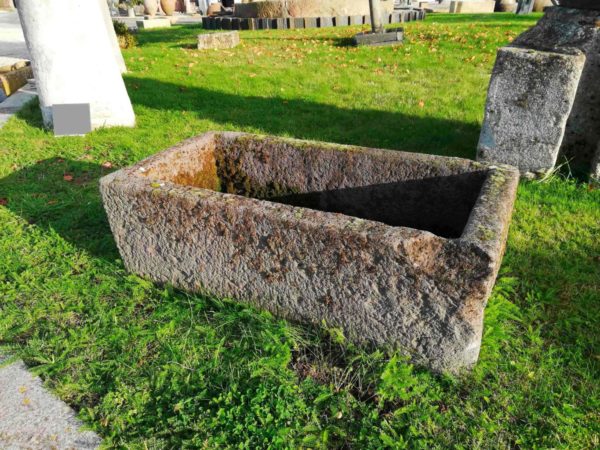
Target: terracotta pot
column 150, row 7
column 213, row 9
column 168, row 6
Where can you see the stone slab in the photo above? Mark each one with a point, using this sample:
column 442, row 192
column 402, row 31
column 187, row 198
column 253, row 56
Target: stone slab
column 529, row 100
column 562, row 29
column 32, row 418
column 298, row 22
column 472, row 6
column 388, row 37
column 395, row 248
column 219, row 40
column 148, row 24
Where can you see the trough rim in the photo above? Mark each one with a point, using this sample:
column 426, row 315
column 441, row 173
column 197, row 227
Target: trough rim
column 485, row 228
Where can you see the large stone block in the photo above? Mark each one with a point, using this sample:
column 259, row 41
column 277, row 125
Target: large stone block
column 395, row 248
column 148, row 24
column 472, row 6
column 218, row 40
column 529, row 100
column 563, row 29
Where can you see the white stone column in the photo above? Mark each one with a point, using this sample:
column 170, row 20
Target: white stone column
column 73, row 60
column 112, row 35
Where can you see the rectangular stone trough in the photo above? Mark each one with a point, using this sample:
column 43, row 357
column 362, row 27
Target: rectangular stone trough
column 397, row 249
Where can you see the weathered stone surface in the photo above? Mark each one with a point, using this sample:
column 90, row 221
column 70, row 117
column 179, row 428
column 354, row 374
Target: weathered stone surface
column 395, row 248
column 529, row 100
column 562, row 29
column 298, row 22
column 218, row 40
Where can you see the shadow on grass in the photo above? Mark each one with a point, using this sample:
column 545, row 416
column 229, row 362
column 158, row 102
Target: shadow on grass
column 63, row 195
column 310, row 120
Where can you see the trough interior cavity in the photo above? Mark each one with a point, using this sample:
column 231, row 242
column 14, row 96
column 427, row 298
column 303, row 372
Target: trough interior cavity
column 391, row 190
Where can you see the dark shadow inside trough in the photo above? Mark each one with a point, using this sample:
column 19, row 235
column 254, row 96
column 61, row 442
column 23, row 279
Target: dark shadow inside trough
column 316, row 180
column 441, row 205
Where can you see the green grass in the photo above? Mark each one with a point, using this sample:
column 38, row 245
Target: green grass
column 150, row 367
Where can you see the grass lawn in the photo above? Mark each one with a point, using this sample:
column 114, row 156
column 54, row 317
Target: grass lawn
column 150, row 367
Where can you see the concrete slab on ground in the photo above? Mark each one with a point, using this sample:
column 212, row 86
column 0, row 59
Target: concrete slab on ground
column 31, row 417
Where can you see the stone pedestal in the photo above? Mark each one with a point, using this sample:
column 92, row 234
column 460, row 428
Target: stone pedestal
column 73, row 61
column 529, row 100
column 564, row 30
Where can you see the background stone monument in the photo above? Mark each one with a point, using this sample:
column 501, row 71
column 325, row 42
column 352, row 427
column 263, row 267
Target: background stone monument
column 562, row 31
column 73, row 60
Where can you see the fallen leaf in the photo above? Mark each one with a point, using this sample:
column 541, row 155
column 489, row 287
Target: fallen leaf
column 421, row 104
column 68, row 177
column 3, row 201
column 107, row 165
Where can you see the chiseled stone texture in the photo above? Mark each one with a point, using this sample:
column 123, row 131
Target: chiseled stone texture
column 32, row 418
column 564, row 29
column 394, row 248
column 529, row 100
column 218, row 40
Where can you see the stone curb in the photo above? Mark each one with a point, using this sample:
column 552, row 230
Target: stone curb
column 238, row 23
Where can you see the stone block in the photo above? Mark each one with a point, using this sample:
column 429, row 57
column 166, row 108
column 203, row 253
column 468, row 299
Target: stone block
column 298, row 22
column 226, row 23
column 324, row 22
column 388, row 37
column 148, row 24
column 394, row 248
column 355, row 20
column 278, row 23
column 472, row 6
column 366, row 20
column 529, row 100
column 310, row 22
column 563, row 29
column 395, row 17
column 208, row 41
column 264, row 24
column 341, row 21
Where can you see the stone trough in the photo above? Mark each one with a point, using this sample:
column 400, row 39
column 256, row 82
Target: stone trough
column 395, row 248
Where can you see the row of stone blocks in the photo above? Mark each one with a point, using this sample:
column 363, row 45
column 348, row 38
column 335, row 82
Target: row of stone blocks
column 237, row 23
